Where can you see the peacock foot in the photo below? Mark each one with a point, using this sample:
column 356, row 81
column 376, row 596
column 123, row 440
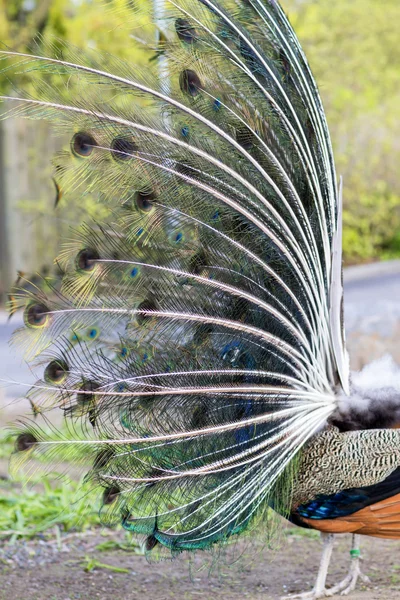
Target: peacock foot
column 344, row 588
column 349, row 583
column 313, row 594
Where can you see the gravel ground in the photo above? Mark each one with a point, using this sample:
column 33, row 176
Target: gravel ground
column 42, row 570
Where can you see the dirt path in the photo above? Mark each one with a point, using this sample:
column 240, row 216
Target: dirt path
column 34, row 572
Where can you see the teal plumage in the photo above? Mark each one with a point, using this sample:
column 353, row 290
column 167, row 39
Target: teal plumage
column 198, row 333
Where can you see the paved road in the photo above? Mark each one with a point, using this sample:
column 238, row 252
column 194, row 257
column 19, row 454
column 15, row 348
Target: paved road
column 372, row 298
column 372, row 305
column 11, row 365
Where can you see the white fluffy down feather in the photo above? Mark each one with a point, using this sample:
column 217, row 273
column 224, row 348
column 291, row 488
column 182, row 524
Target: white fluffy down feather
column 374, row 401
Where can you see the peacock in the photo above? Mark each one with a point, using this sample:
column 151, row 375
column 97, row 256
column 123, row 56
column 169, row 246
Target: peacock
column 195, row 346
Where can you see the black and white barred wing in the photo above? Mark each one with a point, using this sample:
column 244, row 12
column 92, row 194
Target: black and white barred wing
column 192, row 338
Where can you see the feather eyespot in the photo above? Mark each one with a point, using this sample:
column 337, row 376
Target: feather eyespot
column 217, row 104
column 82, row 144
column 146, row 402
column 111, row 494
column 25, row 441
column 144, row 353
column 92, row 416
column 86, row 259
column 123, row 148
column 185, row 132
column 198, row 263
column 74, row 338
column 56, row 372
column 200, row 416
column 85, row 393
column 146, row 305
column 190, row 83
column 132, row 273
column 245, row 138
column 102, row 458
column 150, row 543
column 92, row 333
column 36, row 315
column 182, row 237
column 124, row 352
column 187, row 170
column 215, row 216
column 145, row 201
column 185, row 31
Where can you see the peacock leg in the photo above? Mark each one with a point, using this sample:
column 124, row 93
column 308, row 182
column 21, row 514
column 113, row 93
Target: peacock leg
column 319, row 590
column 349, row 583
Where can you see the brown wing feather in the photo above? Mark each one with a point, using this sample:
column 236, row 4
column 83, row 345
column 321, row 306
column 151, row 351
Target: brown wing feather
column 378, row 520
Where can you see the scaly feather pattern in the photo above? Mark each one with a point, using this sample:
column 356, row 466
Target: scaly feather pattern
column 196, row 339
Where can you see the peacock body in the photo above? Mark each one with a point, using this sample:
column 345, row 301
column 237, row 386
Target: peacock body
column 196, row 346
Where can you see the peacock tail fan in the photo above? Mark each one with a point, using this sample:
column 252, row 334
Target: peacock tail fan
column 196, row 342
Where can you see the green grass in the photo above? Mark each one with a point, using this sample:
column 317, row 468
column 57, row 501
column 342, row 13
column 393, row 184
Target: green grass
column 127, row 543
column 48, row 505
column 48, row 508
column 91, row 564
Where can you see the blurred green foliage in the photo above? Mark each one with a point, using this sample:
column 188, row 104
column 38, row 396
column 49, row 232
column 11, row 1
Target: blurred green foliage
column 354, row 52
column 96, row 24
column 64, row 504
column 353, row 49
column 43, row 27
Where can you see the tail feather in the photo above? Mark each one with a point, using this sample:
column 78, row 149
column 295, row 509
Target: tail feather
column 191, row 336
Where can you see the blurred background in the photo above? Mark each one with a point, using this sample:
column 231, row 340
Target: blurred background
column 354, row 51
